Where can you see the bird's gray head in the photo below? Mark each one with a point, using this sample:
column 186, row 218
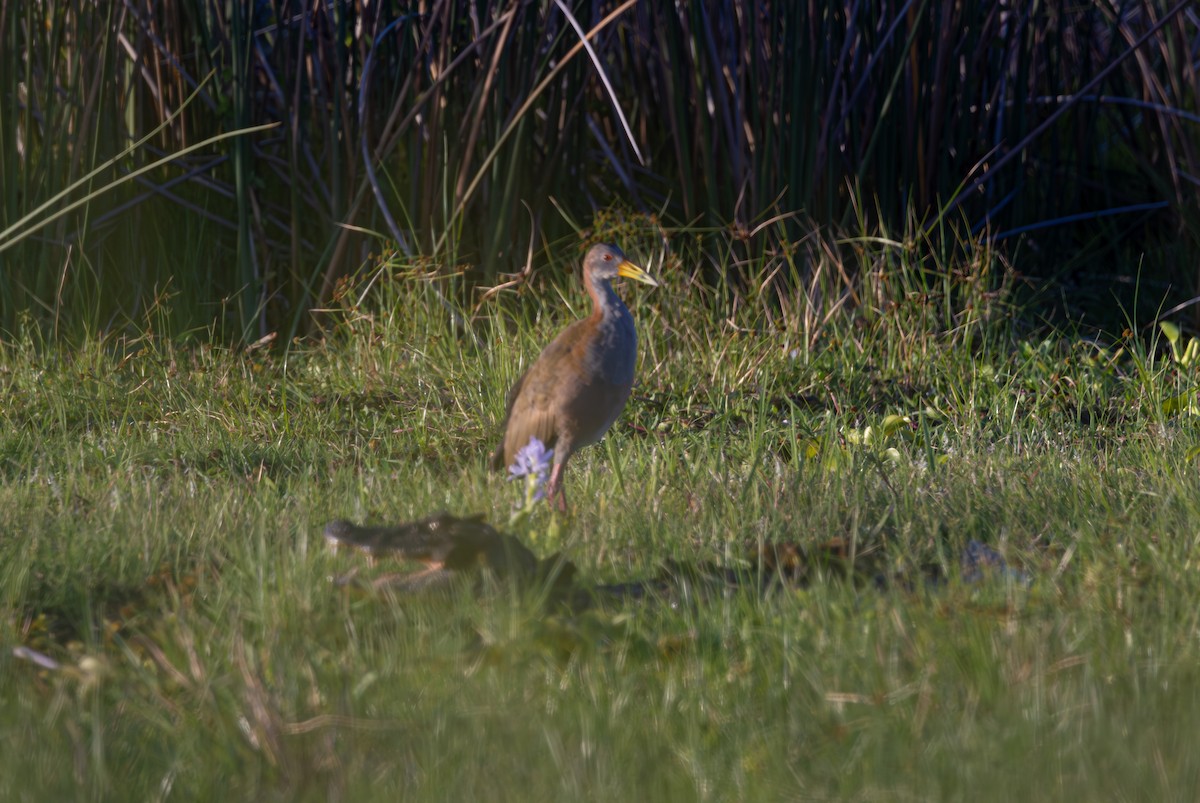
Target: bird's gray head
column 606, row 262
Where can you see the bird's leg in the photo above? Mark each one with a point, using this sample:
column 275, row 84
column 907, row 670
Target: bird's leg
column 554, row 489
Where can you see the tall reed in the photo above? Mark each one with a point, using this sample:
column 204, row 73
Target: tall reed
column 473, row 131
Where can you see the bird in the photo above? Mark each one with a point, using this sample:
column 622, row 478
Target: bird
column 580, row 383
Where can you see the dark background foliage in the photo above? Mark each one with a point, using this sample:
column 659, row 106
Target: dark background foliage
column 472, row 134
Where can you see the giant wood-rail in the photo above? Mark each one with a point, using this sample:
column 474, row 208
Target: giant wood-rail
column 579, row 384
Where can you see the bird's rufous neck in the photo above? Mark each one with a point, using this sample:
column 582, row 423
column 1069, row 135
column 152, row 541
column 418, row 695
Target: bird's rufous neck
column 605, row 300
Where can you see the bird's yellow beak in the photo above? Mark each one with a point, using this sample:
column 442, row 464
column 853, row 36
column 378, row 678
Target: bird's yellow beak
column 632, row 271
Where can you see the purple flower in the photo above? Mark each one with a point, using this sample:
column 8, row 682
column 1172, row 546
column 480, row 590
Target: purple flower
column 533, row 462
column 33, row 656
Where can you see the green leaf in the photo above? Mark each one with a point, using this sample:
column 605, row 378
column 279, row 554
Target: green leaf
column 896, row 423
column 1170, row 331
column 1191, row 352
column 1183, row 403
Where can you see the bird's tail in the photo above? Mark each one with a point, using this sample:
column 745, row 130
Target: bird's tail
column 496, row 461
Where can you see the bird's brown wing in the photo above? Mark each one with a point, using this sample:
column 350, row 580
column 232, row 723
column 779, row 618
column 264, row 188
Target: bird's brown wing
column 531, row 402
column 497, row 458
column 530, row 415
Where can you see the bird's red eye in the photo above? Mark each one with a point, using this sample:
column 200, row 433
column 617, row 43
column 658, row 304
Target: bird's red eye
column 608, row 257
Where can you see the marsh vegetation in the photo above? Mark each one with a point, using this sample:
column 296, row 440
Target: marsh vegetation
column 905, row 304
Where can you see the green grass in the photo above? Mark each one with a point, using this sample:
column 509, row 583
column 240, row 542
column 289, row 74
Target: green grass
column 161, row 504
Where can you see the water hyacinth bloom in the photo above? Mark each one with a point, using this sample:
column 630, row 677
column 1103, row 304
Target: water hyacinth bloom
column 533, row 462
